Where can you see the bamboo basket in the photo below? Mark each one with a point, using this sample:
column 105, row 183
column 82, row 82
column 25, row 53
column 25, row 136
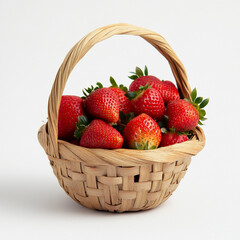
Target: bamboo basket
column 117, row 180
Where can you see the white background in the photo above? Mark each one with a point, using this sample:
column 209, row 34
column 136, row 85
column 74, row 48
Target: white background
column 35, row 36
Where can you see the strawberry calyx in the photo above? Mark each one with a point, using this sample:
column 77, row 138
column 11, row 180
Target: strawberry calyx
column 115, row 85
column 172, row 130
column 144, row 147
column 139, row 73
column 199, row 103
column 124, row 119
column 163, row 122
column 89, row 90
column 134, row 94
column 81, row 126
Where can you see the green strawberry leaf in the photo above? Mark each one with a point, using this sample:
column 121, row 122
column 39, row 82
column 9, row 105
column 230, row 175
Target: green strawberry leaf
column 99, row 85
column 81, row 126
column 85, row 94
column 89, row 90
column 142, row 88
column 131, row 95
column 153, row 147
column 194, row 94
column 119, row 127
column 162, row 123
column 133, row 77
column 146, row 70
column 125, row 118
column 113, row 82
column 122, row 117
column 122, row 87
column 138, row 147
column 198, row 100
column 204, row 103
column 130, row 116
column 115, row 85
column 83, row 120
column 139, row 72
column 198, row 104
column 145, row 147
column 188, row 133
column 202, row 112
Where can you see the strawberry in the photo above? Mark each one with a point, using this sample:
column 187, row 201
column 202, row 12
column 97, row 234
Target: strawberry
column 71, row 107
column 147, row 100
column 171, row 138
column 185, row 115
column 167, row 89
column 103, row 103
column 141, row 80
column 97, row 134
column 142, row 132
column 125, row 105
column 182, row 115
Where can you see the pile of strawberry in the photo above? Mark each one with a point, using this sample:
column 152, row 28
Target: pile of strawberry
column 147, row 116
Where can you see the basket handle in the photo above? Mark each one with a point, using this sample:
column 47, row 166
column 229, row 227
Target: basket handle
column 83, row 46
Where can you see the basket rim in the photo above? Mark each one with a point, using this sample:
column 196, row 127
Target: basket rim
column 117, row 157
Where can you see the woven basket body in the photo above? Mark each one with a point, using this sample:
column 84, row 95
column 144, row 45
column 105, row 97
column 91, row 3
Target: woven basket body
column 122, row 179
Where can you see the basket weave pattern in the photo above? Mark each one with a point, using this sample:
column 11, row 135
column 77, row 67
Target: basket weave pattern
column 119, row 188
column 122, row 179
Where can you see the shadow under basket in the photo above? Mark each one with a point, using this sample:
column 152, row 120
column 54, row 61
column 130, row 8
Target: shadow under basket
column 117, row 180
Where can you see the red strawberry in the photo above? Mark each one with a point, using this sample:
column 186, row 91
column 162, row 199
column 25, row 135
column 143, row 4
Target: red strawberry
column 167, row 89
column 104, row 104
column 184, row 115
column 142, row 132
column 97, row 134
column 171, row 138
column 71, row 107
column 125, row 105
column 143, row 80
column 147, row 100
